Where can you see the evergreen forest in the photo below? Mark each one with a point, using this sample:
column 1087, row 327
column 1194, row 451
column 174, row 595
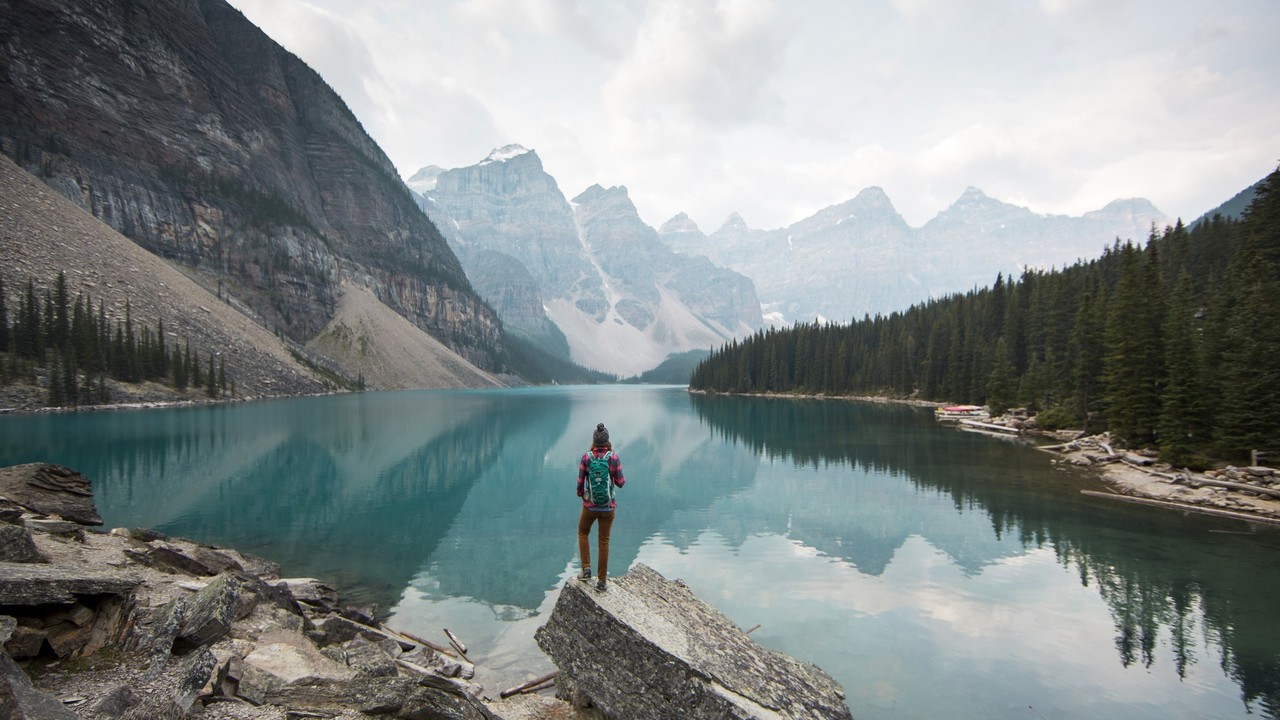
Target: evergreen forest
column 1173, row 345
column 73, row 349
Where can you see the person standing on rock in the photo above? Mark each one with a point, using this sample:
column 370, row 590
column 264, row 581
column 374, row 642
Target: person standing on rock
column 599, row 472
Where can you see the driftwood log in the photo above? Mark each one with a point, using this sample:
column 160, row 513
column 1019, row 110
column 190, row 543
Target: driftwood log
column 531, row 686
column 1237, row 486
column 1219, row 512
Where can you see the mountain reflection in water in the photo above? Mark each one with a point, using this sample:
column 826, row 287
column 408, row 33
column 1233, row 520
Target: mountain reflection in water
column 933, row 572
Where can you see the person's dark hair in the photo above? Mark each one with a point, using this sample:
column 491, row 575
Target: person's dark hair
column 601, row 436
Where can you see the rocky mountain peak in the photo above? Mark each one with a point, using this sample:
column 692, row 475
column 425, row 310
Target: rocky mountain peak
column 1126, row 208
column 505, row 153
column 613, row 200
column 873, row 196
column 425, row 179
column 733, row 224
column 680, row 223
column 971, row 197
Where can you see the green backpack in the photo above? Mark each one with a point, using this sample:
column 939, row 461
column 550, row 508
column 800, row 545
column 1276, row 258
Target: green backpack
column 599, row 489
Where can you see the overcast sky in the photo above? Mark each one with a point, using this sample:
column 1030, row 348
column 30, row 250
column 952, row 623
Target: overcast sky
column 778, row 109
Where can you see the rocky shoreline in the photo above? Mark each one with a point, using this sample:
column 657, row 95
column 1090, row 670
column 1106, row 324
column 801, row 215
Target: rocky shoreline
column 134, row 624
column 1251, row 494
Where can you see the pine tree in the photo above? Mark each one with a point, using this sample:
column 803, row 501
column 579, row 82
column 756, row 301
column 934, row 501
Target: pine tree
column 211, row 379
column 57, row 390
column 4, row 319
column 1125, row 341
column 61, row 329
column 1182, row 402
column 70, row 382
column 1087, row 337
column 1000, row 383
column 1250, row 369
column 27, row 335
column 179, row 370
column 197, row 379
column 162, row 356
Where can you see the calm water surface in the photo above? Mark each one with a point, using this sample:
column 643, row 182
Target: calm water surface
column 934, row 573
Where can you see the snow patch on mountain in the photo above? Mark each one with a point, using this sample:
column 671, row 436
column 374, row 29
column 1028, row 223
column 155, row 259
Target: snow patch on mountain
column 504, row 153
column 616, row 346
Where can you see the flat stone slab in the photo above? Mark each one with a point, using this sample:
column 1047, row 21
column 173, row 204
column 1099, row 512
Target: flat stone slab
column 50, row 490
column 649, row 648
column 37, row 584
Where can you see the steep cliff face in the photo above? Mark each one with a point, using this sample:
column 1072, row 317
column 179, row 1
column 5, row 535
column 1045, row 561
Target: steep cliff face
column 590, row 269
column 191, row 132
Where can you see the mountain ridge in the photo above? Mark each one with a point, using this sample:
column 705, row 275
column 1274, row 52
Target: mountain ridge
column 593, row 280
column 183, row 126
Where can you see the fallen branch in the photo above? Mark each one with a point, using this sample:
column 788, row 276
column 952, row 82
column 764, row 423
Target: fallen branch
column 753, row 629
column 542, row 686
column 405, row 644
column 463, row 669
column 1236, row 486
column 457, row 644
column 530, row 686
column 1247, row 517
column 991, row 426
column 447, row 652
column 1146, row 470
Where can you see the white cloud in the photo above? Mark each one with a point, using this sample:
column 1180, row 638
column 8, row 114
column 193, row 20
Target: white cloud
column 776, row 110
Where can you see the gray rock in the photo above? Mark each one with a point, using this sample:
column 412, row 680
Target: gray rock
column 176, row 558
column 50, row 490
column 37, row 584
column 114, row 703
column 648, row 648
column 20, row 700
column 274, row 669
column 60, row 528
column 17, row 546
column 190, row 676
column 26, row 642
column 371, row 659
column 335, row 629
column 311, row 591
column 212, row 610
column 154, row 632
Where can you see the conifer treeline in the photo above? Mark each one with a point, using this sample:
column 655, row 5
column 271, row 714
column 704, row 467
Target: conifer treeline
column 77, row 348
column 1174, row 345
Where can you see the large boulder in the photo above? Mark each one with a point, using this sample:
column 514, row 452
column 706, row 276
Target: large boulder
column 50, row 490
column 648, row 648
column 17, row 546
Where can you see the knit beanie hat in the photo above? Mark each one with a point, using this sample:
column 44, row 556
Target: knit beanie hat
column 601, row 436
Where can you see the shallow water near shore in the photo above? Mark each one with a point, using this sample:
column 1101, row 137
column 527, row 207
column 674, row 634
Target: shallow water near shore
column 933, row 572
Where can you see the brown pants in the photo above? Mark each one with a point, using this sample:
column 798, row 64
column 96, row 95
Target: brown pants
column 584, row 540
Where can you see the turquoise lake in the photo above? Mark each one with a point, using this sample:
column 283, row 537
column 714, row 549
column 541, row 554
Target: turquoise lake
column 933, row 572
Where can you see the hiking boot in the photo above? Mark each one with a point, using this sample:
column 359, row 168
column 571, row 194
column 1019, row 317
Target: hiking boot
column 586, row 575
column 600, row 585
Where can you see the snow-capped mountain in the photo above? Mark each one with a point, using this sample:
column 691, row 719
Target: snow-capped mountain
column 596, row 282
column 860, row 257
